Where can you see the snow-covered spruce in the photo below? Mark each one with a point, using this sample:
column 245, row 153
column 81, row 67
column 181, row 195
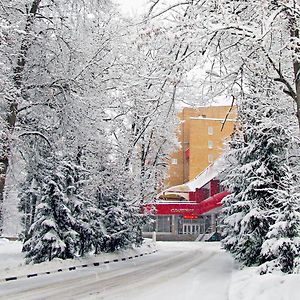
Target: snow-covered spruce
column 260, row 216
column 66, row 224
column 281, row 248
column 122, row 222
column 52, row 234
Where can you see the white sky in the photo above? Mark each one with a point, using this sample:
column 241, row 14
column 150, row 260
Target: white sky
column 132, row 8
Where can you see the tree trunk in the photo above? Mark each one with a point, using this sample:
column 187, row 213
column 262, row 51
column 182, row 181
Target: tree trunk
column 294, row 30
column 297, row 83
column 4, row 167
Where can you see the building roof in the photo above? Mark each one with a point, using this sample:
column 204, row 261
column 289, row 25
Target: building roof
column 212, row 171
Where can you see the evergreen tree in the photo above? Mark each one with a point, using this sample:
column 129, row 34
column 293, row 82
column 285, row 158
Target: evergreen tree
column 256, row 163
column 137, row 220
column 67, row 224
column 39, row 161
column 52, row 234
column 116, row 222
column 281, row 249
column 96, row 224
column 88, row 217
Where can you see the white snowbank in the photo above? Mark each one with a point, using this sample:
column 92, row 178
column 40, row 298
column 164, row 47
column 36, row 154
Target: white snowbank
column 247, row 284
column 10, row 254
column 12, row 259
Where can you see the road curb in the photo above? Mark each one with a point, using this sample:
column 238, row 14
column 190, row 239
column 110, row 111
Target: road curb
column 72, row 268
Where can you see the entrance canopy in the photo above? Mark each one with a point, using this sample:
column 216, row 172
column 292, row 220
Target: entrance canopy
column 187, row 208
column 199, row 181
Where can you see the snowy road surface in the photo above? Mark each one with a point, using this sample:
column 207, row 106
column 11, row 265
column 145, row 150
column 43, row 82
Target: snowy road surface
column 184, row 270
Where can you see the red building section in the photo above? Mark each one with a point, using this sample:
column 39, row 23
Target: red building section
column 200, row 196
column 188, row 209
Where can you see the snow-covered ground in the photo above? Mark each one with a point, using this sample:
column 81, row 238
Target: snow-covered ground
column 12, row 259
column 248, row 285
column 10, row 255
column 180, row 270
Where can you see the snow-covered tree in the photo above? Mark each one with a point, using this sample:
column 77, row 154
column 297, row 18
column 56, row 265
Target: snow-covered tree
column 117, row 229
column 143, row 122
column 37, row 72
column 29, row 198
column 67, row 223
column 248, row 51
column 88, row 218
column 281, row 249
column 77, row 76
column 245, row 222
column 122, row 216
column 52, row 234
column 8, row 35
column 230, row 39
column 68, row 98
column 257, row 163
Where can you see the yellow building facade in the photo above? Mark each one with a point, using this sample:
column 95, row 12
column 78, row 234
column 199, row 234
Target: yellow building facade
column 202, row 133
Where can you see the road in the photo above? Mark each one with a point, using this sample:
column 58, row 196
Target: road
column 180, row 270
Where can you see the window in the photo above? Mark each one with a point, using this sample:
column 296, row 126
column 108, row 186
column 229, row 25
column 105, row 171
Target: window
column 174, row 161
column 210, row 130
column 164, row 223
column 210, row 144
column 210, row 158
